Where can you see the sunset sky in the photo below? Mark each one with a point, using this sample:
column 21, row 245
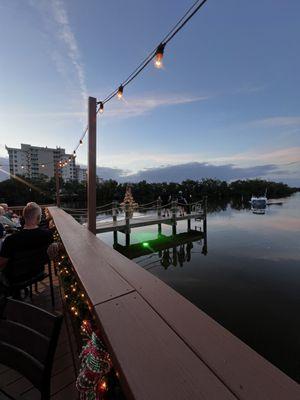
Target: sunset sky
column 226, row 104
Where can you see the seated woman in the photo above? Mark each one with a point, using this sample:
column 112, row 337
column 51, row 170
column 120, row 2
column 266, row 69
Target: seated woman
column 6, row 221
column 30, row 239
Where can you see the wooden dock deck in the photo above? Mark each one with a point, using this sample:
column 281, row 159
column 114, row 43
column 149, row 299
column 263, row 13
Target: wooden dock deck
column 162, row 346
column 136, row 222
column 14, row 385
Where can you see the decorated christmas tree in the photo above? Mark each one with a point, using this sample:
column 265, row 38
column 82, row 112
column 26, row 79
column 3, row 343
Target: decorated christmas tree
column 129, row 201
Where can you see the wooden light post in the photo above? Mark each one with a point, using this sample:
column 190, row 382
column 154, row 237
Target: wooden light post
column 91, row 181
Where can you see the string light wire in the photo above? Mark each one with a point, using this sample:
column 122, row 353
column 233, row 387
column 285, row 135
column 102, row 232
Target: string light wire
column 194, row 8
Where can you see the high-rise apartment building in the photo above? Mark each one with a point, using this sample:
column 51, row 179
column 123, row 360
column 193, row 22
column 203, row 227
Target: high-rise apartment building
column 81, row 174
column 34, row 162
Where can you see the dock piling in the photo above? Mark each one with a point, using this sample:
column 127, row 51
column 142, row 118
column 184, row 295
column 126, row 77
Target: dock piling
column 159, row 213
column 174, row 211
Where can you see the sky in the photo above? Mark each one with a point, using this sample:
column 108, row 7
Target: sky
column 225, row 105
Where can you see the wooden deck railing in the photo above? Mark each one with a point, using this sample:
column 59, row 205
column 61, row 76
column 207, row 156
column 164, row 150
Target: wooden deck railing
column 162, row 345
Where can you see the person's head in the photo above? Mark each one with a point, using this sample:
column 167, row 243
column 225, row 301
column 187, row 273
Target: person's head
column 4, row 206
column 32, row 214
column 2, row 211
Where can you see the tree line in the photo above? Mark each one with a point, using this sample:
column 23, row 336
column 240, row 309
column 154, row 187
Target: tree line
column 20, row 191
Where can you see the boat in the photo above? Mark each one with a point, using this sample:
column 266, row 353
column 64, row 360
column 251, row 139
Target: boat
column 259, row 202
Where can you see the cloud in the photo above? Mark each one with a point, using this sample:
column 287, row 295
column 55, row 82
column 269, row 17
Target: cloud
column 138, row 106
column 197, row 171
column 283, row 156
column 65, row 52
column 67, row 36
column 280, row 121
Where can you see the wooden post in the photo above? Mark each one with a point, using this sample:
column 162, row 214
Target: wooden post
column 91, row 184
column 159, row 214
column 204, row 249
column 204, row 214
column 189, row 220
column 127, row 220
column 114, row 212
column 174, row 210
column 57, row 185
column 114, row 216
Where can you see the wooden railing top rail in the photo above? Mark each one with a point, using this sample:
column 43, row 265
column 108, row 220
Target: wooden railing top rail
column 163, row 346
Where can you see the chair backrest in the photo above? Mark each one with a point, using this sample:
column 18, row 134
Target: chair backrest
column 28, row 339
column 25, row 265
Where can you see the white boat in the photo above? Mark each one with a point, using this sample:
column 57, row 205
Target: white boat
column 258, row 202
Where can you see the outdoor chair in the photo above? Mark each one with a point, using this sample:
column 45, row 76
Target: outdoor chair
column 28, row 340
column 27, row 268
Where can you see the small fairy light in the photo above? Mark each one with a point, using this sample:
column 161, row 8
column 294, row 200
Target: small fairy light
column 103, row 386
column 82, row 295
column 101, row 107
column 74, row 290
column 80, row 141
column 73, row 308
column 120, row 92
column 66, row 296
column 159, row 55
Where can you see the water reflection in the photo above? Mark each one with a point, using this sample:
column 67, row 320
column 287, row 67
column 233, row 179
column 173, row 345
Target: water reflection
column 169, row 250
column 249, row 282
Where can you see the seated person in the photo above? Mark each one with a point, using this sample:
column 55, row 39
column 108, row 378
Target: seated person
column 6, row 221
column 7, row 213
column 2, row 234
column 31, row 238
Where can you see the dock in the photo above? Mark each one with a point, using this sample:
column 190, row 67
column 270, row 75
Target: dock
column 137, row 222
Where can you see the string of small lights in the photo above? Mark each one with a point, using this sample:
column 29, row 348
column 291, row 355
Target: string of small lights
column 157, row 53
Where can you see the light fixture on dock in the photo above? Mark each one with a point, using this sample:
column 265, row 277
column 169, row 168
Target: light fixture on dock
column 159, row 56
column 120, row 92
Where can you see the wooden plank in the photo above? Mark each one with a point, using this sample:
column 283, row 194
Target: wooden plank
column 158, row 364
column 99, row 281
column 248, row 374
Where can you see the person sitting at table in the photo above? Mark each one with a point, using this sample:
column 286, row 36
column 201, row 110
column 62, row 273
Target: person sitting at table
column 30, row 238
column 6, row 221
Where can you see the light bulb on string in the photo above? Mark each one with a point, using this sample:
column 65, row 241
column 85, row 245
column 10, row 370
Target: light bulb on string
column 159, row 55
column 80, row 141
column 120, row 92
column 101, row 107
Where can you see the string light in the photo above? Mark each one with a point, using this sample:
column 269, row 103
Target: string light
column 120, row 92
column 43, row 165
column 101, row 107
column 159, row 55
column 156, row 54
